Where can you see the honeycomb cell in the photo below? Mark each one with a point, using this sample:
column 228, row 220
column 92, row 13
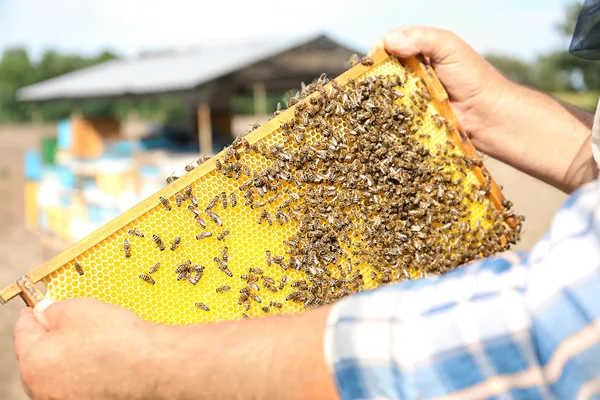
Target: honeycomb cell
column 172, row 294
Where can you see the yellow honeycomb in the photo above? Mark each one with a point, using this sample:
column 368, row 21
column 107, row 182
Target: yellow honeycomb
column 111, row 277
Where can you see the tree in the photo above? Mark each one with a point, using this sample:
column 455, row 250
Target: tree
column 514, row 69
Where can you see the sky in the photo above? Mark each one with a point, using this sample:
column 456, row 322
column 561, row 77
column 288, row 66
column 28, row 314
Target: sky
column 521, row 28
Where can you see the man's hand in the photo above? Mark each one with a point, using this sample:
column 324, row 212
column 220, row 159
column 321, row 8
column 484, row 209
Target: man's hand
column 524, row 128
column 85, row 349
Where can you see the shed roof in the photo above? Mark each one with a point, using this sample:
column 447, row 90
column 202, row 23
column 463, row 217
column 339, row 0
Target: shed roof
column 161, row 74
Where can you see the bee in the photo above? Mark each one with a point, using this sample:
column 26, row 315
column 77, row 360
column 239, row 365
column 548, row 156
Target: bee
column 158, row 242
column 245, row 316
column 203, row 235
column 222, row 235
column 184, row 267
column 178, row 199
column 265, row 216
column 268, row 280
column 225, row 254
column 187, row 191
column 223, row 289
column 135, row 232
column 171, row 179
column 212, row 203
column 78, row 268
column 175, row 243
column 268, row 257
column 218, row 165
column 224, row 199
column 193, row 209
column 249, row 277
column 270, row 287
column 182, row 275
column 214, row 218
column 275, row 304
column 354, row 60
column 265, row 309
column 284, row 280
column 293, row 296
column 153, row 269
column 278, row 110
column 200, row 221
column 255, row 297
column 367, row 61
column 202, row 306
column 258, row 204
column 233, row 199
column 223, row 266
column 194, row 279
column 256, row 271
column 147, row 279
column 165, row 203
column 126, row 248
column 203, row 159
column 279, row 260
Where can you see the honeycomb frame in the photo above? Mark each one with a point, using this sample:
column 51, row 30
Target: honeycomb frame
column 150, row 206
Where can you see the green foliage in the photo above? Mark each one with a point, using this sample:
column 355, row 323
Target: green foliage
column 17, row 71
column 584, row 100
column 514, row 69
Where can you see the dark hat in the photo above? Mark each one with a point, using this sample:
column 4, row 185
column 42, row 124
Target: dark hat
column 586, row 38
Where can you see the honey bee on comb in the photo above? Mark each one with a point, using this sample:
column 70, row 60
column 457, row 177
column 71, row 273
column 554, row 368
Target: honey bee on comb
column 165, row 203
column 78, row 268
column 126, row 248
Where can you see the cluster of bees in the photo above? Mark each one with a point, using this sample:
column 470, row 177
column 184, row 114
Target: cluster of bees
column 367, row 199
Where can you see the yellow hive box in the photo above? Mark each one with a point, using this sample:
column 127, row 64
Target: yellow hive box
column 31, row 205
column 262, row 272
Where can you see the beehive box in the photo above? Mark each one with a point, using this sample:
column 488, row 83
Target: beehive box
column 362, row 181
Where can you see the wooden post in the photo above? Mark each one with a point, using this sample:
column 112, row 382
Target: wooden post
column 260, row 98
column 204, row 129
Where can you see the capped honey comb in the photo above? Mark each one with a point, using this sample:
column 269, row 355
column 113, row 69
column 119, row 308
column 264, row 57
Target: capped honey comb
column 362, row 181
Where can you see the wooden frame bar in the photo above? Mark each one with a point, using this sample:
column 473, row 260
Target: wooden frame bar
column 417, row 65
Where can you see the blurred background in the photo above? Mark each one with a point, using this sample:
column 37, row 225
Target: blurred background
column 101, row 100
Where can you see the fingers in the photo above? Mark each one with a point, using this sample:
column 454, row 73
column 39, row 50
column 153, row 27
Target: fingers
column 437, row 44
column 38, row 312
column 28, row 331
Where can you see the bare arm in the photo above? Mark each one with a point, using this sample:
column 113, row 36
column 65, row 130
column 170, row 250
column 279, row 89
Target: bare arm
column 272, row 358
column 70, row 352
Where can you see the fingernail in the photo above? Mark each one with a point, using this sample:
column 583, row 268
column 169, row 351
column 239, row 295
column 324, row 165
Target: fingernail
column 38, row 311
column 395, row 39
column 42, row 305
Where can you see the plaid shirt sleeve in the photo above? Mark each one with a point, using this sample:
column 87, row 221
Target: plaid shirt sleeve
column 512, row 326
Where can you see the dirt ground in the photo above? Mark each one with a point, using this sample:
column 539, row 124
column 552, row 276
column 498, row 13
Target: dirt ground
column 21, row 250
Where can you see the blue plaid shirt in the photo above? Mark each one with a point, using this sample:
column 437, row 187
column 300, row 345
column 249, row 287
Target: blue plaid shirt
column 522, row 326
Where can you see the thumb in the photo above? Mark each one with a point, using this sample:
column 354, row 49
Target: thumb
column 437, row 44
column 28, row 330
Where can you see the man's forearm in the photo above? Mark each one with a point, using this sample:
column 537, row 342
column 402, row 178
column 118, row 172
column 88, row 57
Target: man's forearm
column 272, row 358
column 535, row 133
